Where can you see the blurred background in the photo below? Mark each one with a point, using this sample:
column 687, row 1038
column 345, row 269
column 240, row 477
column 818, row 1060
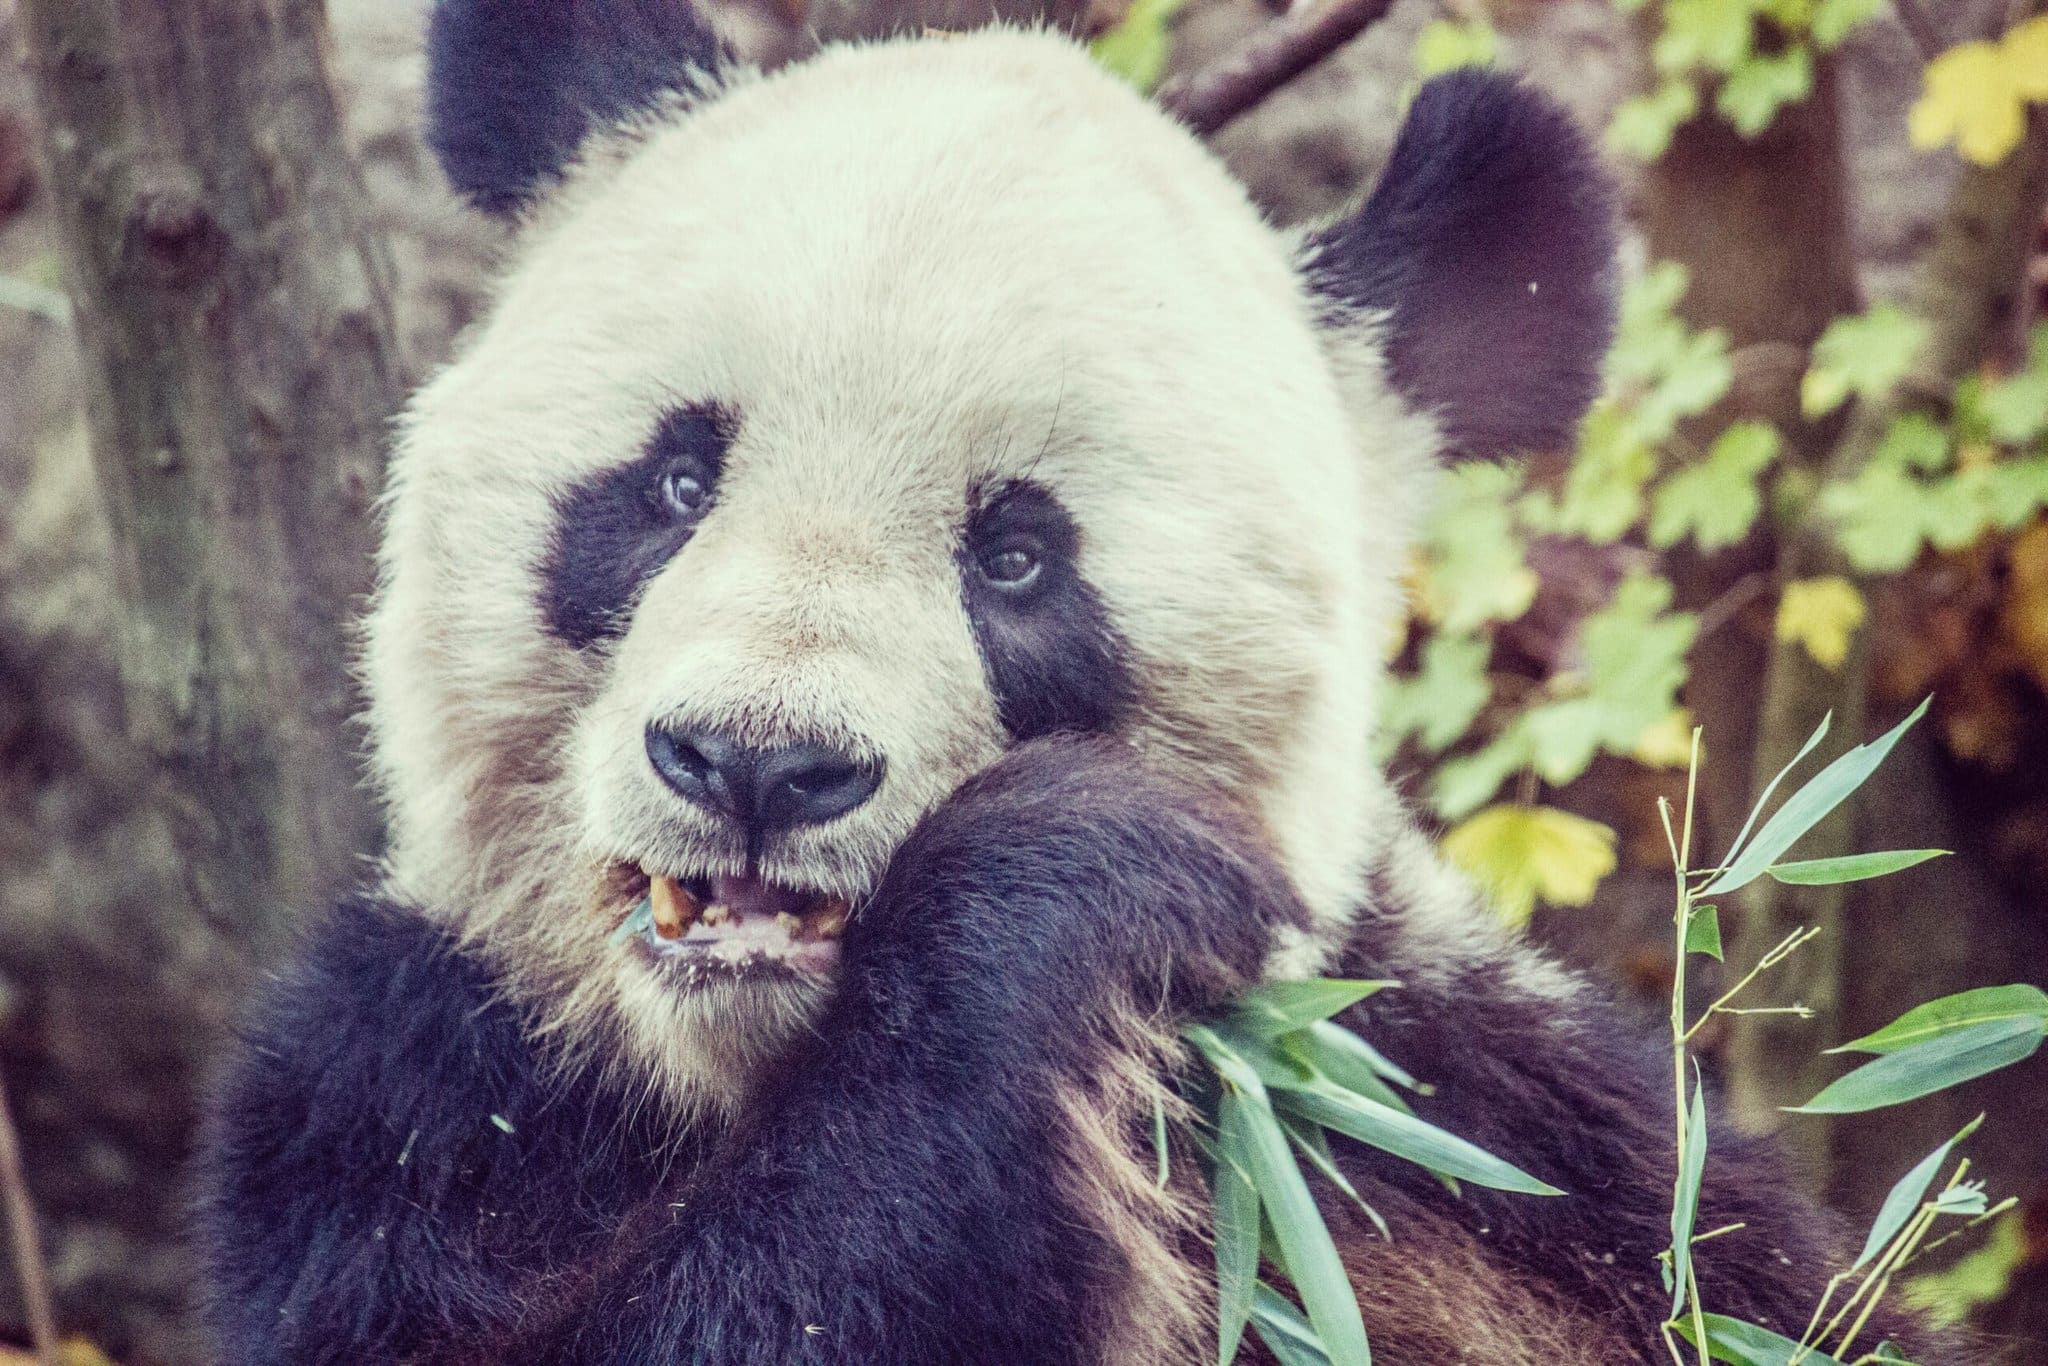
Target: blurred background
column 1816, row 486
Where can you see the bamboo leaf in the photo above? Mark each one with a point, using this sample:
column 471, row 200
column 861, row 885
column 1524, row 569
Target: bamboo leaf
column 1745, row 1344
column 1820, row 733
column 1906, row 1195
column 1315, row 1146
column 1405, row 1136
column 1285, row 1332
column 1310, row 1254
column 1946, row 1014
column 1685, row 1200
column 1822, row 872
column 1237, row 1227
column 1808, row 806
column 1931, row 1065
column 1283, row 1007
column 1703, row 931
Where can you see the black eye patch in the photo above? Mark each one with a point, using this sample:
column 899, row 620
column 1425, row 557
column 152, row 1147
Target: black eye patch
column 1052, row 658
column 616, row 529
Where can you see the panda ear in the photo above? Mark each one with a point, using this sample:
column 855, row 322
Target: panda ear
column 1481, row 266
column 515, row 86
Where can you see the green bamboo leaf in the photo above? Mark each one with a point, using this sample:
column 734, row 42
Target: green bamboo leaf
column 1685, row 1200
column 1822, row 872
column 1237, row 1227
column 1906, row 1195
column 1348, row 1062
column 1315, row 1146
column 1285, row 1332
column 1808, row 806
column 1745, row 1344
column 1283, row 1007
column 1703, row 931
column 1946, row 1014
column 1931, row 1065
column 638, row 921
column 1820, row 733
column 1405, row 1136
column 1306, row 1247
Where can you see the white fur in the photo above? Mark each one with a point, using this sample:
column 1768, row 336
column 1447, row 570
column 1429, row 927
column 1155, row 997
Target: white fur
column 907, row 267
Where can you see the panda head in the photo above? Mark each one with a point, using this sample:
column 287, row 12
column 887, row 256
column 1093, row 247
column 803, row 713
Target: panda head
column 833, row 430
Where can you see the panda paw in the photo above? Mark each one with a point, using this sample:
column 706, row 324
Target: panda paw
column 1069, row 877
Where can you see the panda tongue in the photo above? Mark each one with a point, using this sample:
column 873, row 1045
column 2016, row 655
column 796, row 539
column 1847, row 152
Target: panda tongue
column 749, row 898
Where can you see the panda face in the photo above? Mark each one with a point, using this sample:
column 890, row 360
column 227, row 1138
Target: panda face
column 826, row 438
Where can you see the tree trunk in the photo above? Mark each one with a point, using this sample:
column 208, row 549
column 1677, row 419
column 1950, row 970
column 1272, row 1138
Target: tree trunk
column 236, row 326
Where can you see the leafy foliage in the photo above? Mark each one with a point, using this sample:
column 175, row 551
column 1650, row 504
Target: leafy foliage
column 1976, row 94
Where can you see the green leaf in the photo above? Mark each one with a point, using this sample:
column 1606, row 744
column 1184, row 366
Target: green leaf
column 1761, row 85
column 1946, row 1014
column 1314, row 1144
column 1446, row 45
column 1312, row 1263
column 1642, row 127
column 1820, row 733
column 1282, row 1007
column 1809, row 806
column 638, row 921
column 1405, row 1136
column 1715, row 500
column 1715, row 34
column 1285, row 1332
column 1906, row 1195
column 1862, row 355
column 1445, row 696
column 1834, row 20
column 1745, row 1344
column 1685, row 1199
column 1237, row 1226
column 1914, row 441
column 1137, row 48
column 1923, row 1068
column 1703, row 931
column 1825, row 872
column 1348, row 1062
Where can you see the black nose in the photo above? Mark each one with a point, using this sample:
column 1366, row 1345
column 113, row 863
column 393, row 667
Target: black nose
column 765, row 790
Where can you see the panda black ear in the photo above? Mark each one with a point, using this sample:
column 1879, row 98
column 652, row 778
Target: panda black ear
column 515, row 86
column 1484, row 263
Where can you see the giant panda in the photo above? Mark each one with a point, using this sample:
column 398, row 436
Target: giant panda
column 910, row 519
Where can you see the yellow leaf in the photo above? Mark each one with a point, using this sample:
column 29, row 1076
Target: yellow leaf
column 1821, row 615
column 1667, row 743
column 2025, row 50
column 1521, row 854
column 1972, row 100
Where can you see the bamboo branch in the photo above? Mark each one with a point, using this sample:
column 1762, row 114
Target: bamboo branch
column 28, row 1247
column 1209, row 99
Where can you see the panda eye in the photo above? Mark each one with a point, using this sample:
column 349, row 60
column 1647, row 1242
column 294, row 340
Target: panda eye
column 685, row 491
column 1012, row 564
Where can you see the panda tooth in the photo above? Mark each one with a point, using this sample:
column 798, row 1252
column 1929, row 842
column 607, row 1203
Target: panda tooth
column 716, row 915
column 675, row 910
column 788, row 923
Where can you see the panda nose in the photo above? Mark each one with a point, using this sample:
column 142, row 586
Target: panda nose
column 765, row 790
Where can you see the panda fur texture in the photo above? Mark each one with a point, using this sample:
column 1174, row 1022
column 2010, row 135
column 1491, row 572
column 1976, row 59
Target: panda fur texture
column 939, row 413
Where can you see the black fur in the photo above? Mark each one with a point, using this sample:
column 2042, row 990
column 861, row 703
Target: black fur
column 359, row 1202
column 614, row 531
column 515, row 86
column 1053, row 661
column 893, row 1197
column 1489, row 246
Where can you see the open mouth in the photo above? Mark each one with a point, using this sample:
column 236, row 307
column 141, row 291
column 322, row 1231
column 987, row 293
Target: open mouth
column 707, row 928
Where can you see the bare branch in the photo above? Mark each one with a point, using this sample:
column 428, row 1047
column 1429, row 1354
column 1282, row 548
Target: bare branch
column 1209, row 99
column 28, row 1248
